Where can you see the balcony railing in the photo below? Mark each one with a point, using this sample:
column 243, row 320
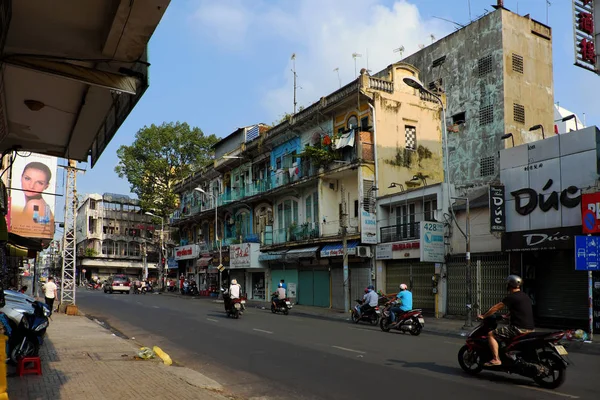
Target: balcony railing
column 306, row 231
column 397, row 233
column 380, row 84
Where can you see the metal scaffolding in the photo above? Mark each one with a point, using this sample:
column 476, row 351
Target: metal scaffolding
column 67, row 292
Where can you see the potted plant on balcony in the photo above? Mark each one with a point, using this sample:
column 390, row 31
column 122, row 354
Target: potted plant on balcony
column 291, row 234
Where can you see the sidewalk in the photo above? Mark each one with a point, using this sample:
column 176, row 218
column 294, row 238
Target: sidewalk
column 81, row 360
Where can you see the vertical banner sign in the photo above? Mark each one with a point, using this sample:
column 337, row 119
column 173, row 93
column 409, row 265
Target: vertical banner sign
column 590, row 212
column 497, row 209
column 584, row 34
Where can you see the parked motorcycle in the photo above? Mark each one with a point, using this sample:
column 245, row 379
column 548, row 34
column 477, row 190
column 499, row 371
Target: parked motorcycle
column 372, row 315
column 25, row 336
column 94, row 286
column 536, row 355
column 411, row 321
column 282, row 305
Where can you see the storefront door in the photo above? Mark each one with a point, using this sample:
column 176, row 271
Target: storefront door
column 417, row 276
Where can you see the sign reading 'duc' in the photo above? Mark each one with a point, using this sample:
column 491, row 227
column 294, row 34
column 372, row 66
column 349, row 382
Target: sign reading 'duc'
column 590, row 212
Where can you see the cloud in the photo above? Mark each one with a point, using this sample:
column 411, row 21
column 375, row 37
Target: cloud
column 323, row 35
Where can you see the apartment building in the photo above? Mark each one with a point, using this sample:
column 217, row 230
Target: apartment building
column 114, row 236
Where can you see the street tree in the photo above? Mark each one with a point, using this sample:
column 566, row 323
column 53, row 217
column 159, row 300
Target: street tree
column 158, row 158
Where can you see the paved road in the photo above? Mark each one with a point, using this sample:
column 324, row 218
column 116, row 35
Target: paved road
column 293, row 357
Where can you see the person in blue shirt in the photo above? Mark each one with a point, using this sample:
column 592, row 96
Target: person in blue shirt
column 404, row 299
column 282, row 283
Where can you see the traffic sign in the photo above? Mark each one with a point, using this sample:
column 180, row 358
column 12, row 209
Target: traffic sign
column 587, row 250
column 221, row 267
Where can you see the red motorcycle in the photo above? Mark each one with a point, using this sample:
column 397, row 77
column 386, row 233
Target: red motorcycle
column 535, row 355
column 234, row 307
column 410, row 321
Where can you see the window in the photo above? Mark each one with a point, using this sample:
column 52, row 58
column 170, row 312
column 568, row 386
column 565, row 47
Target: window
column 459, row 118
column 352, row 122
column 309, row 208
column 486, row 115
column 484, row 65
column 92, row 204
column 487, row 166
column 430, row 209
column 517, row 63
column 406, row 226
column 519, row 113
column 410, row 137
column 91, row 225
column 356, row 208
column 364, row 124
column 368, row 200
column 278, row 162
column 287, row 213
column 438, row 62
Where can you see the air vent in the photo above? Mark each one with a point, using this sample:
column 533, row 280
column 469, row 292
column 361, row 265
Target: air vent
column 486, row 115
column 487, row 166
column 517, row 63
column 484, row 65
column 519, row 113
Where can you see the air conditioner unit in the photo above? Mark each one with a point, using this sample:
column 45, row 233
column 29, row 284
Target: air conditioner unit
column 364, row 251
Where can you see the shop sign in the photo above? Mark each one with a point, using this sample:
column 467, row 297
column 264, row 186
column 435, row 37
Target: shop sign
column 590, row 212
column 244, row 255
column 188, row 252
column 543, row 239
column 172, row 263
column 587, row 249
column 368, row 227
column 432, row 246
column 497, row 211
column 392, row 251
column 384, row 251
column 584, row 33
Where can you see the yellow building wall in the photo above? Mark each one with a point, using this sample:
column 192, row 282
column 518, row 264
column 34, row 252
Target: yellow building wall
column 330, row 196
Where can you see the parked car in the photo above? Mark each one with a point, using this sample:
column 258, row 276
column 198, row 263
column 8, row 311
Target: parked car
column 117, row 283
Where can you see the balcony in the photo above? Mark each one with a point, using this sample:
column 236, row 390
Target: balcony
column 332, row 228
column 306, row 231
column 397, row 233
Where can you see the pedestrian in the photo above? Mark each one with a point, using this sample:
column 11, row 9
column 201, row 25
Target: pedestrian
column 23, row 289
column 50, row 293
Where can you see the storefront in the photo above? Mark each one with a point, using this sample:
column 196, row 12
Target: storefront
column 313, row 277
column 186, row 258
column 202, row 266
column 543, row 182
column 246, row 268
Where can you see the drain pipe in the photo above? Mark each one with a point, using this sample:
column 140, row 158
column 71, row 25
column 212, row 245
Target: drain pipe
column 376, row 194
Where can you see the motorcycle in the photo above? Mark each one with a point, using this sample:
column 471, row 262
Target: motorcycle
column 284, row 306
column 536, row 355
column 372, row 315
column 94, row 286
column 234, row 308
column 411, row 321
column 26, row 336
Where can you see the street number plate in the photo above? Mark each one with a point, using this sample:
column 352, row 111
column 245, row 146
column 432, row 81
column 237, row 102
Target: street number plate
column 561, row 350
column 422, row 321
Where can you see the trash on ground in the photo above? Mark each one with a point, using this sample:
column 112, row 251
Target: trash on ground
column 146, row 353
column 163, row 356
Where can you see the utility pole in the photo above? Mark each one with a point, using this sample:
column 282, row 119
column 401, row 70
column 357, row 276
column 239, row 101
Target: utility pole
column 295, row 78
column 144, row 261
column 467, row 234
column 67, row 283
column 344, row 229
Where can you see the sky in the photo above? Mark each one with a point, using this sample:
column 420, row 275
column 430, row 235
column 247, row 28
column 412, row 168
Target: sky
column 226, row 64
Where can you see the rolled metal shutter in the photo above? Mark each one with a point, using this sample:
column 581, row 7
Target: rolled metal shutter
column 337, row 288
column 360, row 278
column 417, row 276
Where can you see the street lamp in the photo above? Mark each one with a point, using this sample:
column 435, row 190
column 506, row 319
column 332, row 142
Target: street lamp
column 536, row 127
column 162, row 254
column 569, row 117
column 217, row 242
column 507, row 136
column 394, row 184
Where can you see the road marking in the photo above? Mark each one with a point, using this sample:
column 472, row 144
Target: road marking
column 570, row 396
column 350, row 350
column 213, row 320
column 260, row 330
column 155, row 306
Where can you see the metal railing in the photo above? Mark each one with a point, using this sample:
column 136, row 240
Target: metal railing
column 294, row 233
column 397, row 233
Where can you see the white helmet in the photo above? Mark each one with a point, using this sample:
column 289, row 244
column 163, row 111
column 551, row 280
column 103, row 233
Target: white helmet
column 234, row 281
column 403, row 286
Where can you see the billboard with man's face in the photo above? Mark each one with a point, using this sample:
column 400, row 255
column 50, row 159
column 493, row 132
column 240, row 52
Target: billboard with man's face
column 32, row 200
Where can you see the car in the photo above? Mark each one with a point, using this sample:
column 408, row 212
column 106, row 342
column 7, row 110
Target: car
column 117, row 283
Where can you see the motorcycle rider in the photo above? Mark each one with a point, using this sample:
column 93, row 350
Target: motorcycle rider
column 521, row 317
column 404, row 297
column 279, row 295
column 233, row 292
column 370, row 300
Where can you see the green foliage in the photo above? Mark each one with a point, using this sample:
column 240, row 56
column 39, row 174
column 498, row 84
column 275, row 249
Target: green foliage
column 320, row 156
column 404, row 157
column 89, row 252
column 160, row 156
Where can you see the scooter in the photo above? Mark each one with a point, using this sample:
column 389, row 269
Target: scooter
column 411, row 321
column 372, row 315
column 284, row 305
column 26, row 336
column 234, row 308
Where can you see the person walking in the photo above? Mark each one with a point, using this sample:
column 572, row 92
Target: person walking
column 50, row 293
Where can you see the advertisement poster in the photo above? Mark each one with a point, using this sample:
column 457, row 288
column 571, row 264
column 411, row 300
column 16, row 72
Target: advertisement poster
column 32, row 199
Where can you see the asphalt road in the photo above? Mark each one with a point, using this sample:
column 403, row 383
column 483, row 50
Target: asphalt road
column 292, row 357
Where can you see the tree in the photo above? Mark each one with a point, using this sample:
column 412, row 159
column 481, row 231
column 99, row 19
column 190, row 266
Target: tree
column 160, row 156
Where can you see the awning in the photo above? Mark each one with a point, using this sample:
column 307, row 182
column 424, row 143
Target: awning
column 305, row 252
column 213, row 270
column 204, row 261
column 337, row 249
column 272, row 256
column 15, row 251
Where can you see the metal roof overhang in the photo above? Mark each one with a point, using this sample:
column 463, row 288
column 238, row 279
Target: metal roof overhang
column 80, row 65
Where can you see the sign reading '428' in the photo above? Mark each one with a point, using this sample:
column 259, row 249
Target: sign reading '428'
column 432, row 242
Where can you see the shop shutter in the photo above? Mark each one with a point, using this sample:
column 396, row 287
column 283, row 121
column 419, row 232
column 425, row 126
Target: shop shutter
column 337, row 288
column 321, row 288
column 360, row 278
column 417, row 276
column 305, row 288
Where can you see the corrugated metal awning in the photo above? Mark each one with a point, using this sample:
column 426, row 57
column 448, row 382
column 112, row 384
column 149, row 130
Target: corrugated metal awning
column 272, row 256
column 204, row 261
column 305, row 252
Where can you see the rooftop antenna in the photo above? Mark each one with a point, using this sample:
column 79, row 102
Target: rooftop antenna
column 355, row 56
column 338, row 75
column 432, row 37
column 368, row 70
column 548, row 4
column 295, row 79
column 469, row 3
column 399, row 50
column 452, row 22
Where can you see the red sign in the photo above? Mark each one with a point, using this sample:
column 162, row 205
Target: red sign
column 405, row 246
column 590, row 212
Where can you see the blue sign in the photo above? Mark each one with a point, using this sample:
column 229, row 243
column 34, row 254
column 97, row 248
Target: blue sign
column 587, row 250
column 172, row 263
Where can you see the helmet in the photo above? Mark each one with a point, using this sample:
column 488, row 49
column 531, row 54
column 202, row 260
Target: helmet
column 514, row 281
column 403, row 286
column 371, row 287
column 366, row 290
column 234, row 281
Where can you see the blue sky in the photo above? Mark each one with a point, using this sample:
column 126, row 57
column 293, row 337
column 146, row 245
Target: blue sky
column 220, row 65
